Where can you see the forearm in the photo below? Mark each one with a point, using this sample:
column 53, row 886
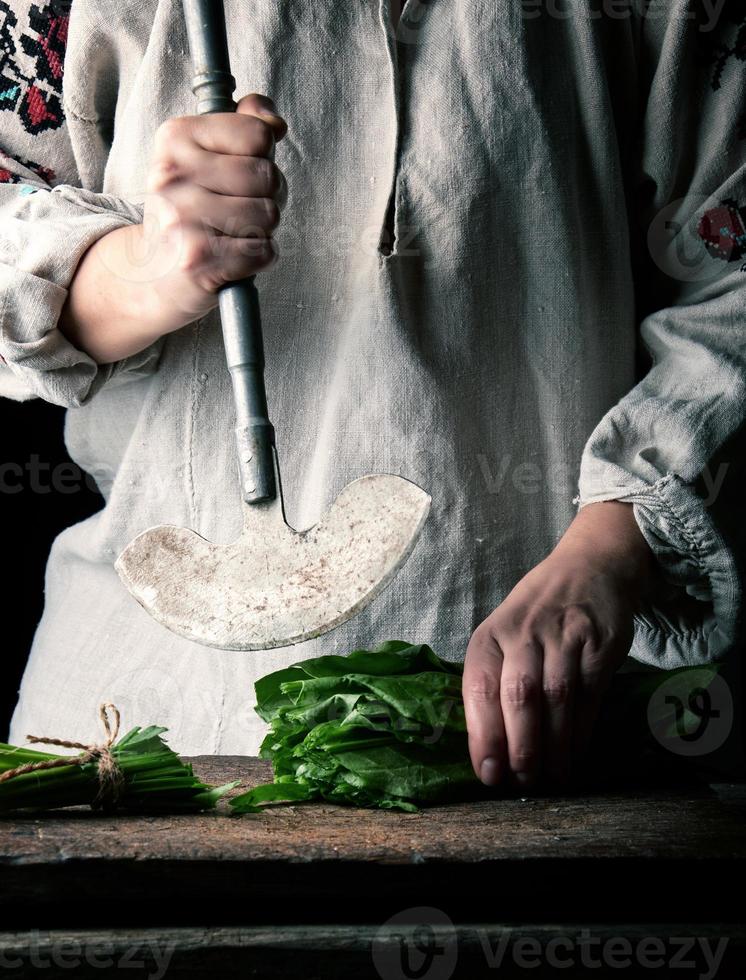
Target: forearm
column 140, row 282
column 607, row 533
column 113, row 309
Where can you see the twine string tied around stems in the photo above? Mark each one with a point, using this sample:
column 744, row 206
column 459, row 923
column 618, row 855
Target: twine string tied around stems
column 110, row 775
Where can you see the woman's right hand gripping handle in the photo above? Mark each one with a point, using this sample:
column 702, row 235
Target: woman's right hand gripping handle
column 214, row 199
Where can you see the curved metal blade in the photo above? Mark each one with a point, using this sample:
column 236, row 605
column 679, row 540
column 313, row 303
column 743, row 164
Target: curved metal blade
column 274, row 586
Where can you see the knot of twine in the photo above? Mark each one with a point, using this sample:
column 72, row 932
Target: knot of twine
column 110, row 776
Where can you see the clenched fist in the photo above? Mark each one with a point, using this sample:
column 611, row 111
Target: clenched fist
column 214, row 199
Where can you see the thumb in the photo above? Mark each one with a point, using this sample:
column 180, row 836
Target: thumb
column 262, row 106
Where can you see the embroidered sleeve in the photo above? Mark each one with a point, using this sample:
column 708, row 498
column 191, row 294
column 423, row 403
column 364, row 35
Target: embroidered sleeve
column 662, row 446
column 49, row 215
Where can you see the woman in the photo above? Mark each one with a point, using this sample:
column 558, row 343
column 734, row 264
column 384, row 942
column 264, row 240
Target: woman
column 460, row 199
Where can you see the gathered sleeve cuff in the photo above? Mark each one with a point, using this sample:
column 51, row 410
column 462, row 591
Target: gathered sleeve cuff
column 694, row 616
column 45, row 234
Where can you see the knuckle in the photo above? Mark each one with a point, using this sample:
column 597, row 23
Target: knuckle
column 483, row 632
column 508, row 621
column 266, row 176
column 257, row 248
column 256, row 218
column 617, row 637
column 273, row 212
column 171, row 221
column 482, row 688
column 195, row 254
column 523, row 628
column 262, row 135
column 277, row 182
column 169, row 131
column 256, row 102
column 257, row 254
column 528, row 638
column 556, row 691
column 520, row 690
column 523, row 758
column 482, row 639
column 594, row 668
column 248, row 101
column 592, row 641
column 163, row 173
column 577, row 620
column 272, row 255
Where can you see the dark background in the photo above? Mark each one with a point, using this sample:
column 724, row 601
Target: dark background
column 30, row 518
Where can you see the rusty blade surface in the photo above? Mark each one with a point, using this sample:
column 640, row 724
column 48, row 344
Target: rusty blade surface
column 275, row 586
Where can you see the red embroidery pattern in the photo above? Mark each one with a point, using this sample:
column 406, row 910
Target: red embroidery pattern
column 723, row 230
column 8, row 177
column 34, row 96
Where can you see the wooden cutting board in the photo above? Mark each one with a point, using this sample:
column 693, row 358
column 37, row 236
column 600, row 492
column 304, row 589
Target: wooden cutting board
column 624, row 860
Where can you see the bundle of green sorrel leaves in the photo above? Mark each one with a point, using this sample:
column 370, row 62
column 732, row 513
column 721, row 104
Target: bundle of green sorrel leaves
column 154, row 779
column 386, row 728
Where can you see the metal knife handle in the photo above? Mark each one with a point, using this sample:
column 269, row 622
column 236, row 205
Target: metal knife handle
column 214, row 85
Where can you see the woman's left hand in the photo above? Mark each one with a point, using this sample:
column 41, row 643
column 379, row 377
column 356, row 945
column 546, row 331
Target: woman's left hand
column 536, row 669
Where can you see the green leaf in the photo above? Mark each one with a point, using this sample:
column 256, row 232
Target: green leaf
column 155, row 779
column 386, row 727
column 252, row 801
column 382, row 727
